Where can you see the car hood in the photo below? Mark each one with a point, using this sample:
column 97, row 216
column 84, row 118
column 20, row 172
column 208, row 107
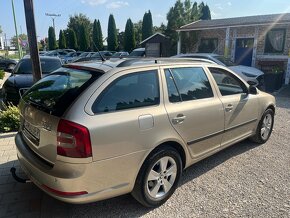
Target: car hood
column 251, row 70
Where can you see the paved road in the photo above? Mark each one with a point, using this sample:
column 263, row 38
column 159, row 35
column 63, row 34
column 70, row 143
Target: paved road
column 244, row 180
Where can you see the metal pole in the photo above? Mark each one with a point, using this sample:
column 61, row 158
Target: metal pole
column 18, row 46
column 32, row 39
column 53, row 25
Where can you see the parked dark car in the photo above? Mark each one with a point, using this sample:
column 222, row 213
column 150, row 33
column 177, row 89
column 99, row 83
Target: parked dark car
column 7, row 64
column 138, row 52
column 21, row 78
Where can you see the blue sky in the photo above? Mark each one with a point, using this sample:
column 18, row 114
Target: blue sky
column 122, row 10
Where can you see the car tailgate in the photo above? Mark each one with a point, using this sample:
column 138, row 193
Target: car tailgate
column 39, row 131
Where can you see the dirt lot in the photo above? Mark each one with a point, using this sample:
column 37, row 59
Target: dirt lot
column 244, row 180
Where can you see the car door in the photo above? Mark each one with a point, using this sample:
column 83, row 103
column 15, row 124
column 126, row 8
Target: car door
column 240, row 109
column 194, row 109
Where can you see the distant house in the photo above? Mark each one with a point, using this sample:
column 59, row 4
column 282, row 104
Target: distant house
column 156, row 45
column 262, row 41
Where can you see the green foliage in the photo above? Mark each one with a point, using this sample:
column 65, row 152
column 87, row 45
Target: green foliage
column 2, row 74
column 147, row 25
column 51, row 39
column 129, row 37
column 138, row 31
column 97, row 36
column 61, row 40
column 75, row 23
column 72, row 39
column 183, row 13
column 112, row 34
column 14, row 39
column 84, row 39
column 9, row 118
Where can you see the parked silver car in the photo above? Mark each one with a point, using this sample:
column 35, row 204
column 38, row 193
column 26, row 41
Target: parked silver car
column 92, row 131
column 252, row 75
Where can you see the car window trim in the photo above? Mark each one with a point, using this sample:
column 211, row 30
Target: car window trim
column 133, row 108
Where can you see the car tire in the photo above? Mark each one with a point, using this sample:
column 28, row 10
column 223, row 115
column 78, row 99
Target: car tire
column 264, row 128
column 158, row 177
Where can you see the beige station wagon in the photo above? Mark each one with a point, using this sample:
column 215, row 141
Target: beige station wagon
column 92, row 131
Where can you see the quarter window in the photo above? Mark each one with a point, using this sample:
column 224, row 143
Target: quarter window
column 130, row 91
column 186, row 84
column 227, row 83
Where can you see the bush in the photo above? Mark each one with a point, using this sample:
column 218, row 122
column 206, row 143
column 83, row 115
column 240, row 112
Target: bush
column 2, row 74
column 9, row 118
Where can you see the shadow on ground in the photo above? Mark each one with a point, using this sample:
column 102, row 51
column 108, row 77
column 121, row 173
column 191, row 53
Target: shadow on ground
column 123, row 206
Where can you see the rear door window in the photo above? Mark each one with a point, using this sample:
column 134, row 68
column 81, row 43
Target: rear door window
column 133, row 90
column 188, row 83
column 55, row 92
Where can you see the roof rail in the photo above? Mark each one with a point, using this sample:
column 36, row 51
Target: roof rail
column 151, row 61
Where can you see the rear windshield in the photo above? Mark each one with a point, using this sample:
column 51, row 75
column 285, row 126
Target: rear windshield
column 47, row 66
column 55, row 92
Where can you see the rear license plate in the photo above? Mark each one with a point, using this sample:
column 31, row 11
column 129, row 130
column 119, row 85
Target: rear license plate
column 34, row 131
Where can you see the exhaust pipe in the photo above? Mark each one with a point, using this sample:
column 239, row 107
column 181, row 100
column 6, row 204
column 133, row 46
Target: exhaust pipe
column 17, row 178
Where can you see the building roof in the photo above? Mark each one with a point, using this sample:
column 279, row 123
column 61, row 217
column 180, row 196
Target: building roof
column 150, row 37
column 237, row 22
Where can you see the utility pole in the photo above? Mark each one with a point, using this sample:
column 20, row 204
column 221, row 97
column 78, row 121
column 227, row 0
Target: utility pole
column 15, row 25
column 53, row 16
column 32, row 39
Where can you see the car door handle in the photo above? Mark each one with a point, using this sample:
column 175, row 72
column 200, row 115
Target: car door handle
column 178, row 119
column 229, row 108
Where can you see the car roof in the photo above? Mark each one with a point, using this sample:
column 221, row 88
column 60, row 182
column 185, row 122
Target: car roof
column 42, row 58
column 197, row 54
column 110, row 64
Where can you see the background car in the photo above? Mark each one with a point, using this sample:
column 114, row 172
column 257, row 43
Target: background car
column 91, row 56
column 21, row 78
column 70, row 56
column 120, row 54
column 7, row 64
column 138, row 52
column 252, row 75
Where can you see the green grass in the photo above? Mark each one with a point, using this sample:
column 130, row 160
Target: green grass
column 2, row 74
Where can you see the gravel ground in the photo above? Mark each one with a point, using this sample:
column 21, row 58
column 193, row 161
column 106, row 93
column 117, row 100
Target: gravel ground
column 244, row 180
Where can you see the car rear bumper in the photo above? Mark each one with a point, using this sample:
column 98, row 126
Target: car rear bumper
column 99, row 180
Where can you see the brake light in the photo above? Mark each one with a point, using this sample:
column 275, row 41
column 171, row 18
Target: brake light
column 73, row 140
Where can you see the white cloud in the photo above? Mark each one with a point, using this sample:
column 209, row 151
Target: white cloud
column 219, row 6
column 229, row 4
column 117, row 4
column 94, row 2
column 159, row 16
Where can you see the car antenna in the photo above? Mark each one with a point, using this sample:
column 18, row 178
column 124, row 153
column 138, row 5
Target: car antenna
column 102, row 57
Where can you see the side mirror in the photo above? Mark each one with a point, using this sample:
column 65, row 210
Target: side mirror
column 253, row 90
column 252, row 83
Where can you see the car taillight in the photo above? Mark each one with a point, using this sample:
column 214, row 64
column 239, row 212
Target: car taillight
column 73, row 140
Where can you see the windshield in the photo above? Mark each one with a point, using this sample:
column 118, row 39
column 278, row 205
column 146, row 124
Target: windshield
column 58, row 90
column 84, row 54
column 137, row 53
column 225, row 61
column 47, row 66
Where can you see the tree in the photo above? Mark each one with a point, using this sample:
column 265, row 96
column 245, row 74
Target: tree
column 51, row 39
column 147, row 25
column 72, row 39
column 13, row 41
column 138, row 31
column 159, row 29
column 112, row 34
column 204, row 12
column 129, row 37
column 61, row 40
column 84, row 39
column 183, row 13
column 75, row 23
column 97, row 36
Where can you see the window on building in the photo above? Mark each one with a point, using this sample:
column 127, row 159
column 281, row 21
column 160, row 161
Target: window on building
column 208, row 45
column 275, row 40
